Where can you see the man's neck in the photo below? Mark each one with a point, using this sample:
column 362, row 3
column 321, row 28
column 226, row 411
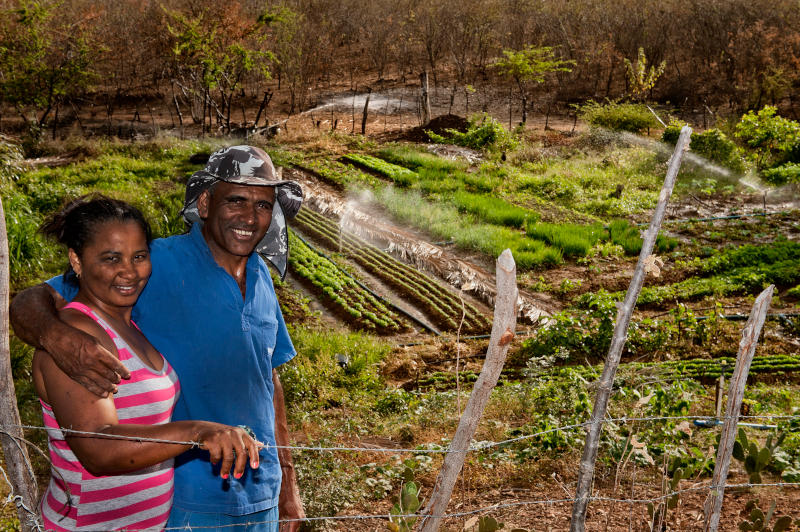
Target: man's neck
column 235, row 265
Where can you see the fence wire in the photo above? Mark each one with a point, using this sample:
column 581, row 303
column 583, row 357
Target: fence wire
column 34, row 520
column 478, row 446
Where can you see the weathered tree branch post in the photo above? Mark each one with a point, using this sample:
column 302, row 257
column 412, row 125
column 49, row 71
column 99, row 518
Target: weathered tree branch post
column 426, row 101
column 14, row 452
column 503, row 326
column 586, row 472
column 366, row 112
column 747, row 348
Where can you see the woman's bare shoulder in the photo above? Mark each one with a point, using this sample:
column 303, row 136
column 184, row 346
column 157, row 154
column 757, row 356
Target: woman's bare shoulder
column 81, row 321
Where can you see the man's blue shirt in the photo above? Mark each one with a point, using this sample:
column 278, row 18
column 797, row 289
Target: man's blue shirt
column 223, row 348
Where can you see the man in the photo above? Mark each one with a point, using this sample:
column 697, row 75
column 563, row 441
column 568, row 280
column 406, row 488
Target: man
column 210, row 308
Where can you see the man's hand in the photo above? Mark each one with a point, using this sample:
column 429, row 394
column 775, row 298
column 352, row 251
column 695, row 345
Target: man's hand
column 88, row 363
column 34, row 315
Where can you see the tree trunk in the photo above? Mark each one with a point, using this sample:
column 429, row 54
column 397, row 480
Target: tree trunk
column 17, row 463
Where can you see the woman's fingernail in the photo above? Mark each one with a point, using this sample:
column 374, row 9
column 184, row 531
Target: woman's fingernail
column 225, row 476
column 237, row 475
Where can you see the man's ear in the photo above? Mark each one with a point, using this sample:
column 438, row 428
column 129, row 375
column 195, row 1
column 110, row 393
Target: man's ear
column 75, row 262
column 202, row 204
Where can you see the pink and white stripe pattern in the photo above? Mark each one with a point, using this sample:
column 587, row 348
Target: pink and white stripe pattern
column 137, row 500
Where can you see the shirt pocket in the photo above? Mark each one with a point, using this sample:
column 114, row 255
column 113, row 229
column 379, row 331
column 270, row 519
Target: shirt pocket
column 264, row 334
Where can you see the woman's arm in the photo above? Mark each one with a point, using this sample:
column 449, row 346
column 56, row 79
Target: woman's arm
column 78, row 409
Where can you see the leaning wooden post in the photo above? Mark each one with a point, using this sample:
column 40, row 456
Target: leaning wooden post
column 747, row 348
column 17, row 463
column 586, row 472
column 503, row 326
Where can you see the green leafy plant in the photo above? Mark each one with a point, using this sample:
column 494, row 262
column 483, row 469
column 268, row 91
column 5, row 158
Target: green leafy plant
column 641, row 79
column 631, row 117
column 756, row 519
column 781, row 175
column 712, row 144
column 483, row 133
column 774, row 140
column 586, row 333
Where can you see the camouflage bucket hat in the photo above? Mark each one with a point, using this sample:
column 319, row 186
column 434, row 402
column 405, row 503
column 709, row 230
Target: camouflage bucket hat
column 248, row 165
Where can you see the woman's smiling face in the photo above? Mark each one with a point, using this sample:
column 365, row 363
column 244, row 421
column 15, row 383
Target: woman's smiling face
column 114, row 266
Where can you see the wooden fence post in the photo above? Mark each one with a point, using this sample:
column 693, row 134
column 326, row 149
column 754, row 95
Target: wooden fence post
column 15, row 454
column 586, row 472
column 426, row 101
column 366, row 112
column 747, row 348
column 503, row 326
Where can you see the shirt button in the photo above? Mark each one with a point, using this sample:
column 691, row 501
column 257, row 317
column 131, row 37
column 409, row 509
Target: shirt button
column 245, row 324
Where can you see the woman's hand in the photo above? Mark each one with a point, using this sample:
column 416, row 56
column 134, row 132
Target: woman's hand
column 228, row 444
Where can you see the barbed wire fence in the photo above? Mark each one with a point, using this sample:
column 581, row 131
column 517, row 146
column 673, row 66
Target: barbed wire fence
column 482, row 446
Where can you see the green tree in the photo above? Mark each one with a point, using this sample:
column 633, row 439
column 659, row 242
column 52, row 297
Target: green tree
column 213, row 51
column 286, row 28
column 43, row 60
column 528, row 66
column 641, row 80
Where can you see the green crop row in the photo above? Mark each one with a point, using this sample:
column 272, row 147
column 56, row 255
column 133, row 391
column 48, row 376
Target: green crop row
column 399, row 174
column 445, row 222
column 698, row 369
column 713, row 368
column 779, row 252
column 438, row 303
column 573, row 240
column 746, row 269
column 341, row 290
column 416, row 160
column 493, row 210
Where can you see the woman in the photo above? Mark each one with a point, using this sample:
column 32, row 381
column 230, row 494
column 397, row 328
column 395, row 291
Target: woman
column 118, row 477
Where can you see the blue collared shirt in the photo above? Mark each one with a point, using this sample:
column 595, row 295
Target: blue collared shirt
column 223, row 348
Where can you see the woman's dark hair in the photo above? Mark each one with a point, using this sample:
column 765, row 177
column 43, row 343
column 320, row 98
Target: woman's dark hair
column 75, row 224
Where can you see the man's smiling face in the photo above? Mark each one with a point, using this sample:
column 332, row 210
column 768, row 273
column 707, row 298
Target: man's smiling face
column 236, row 217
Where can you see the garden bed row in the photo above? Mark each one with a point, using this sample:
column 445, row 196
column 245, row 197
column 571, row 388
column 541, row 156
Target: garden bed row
column 341, row 292
column 442, row 307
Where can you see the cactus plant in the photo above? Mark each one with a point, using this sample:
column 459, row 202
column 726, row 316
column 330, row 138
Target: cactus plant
column 755, row 459
column 408, row 503
column 757, row 521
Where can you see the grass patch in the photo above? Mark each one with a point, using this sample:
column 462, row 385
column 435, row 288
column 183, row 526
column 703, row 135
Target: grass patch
column 493, row 210
column 573, row 240
column 316, row 378
column 415, row 159
column 447, row 223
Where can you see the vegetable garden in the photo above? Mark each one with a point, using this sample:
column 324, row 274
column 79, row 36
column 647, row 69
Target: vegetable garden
column 366, row 376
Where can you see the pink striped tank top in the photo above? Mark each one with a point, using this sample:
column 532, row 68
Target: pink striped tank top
column 138, row 500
